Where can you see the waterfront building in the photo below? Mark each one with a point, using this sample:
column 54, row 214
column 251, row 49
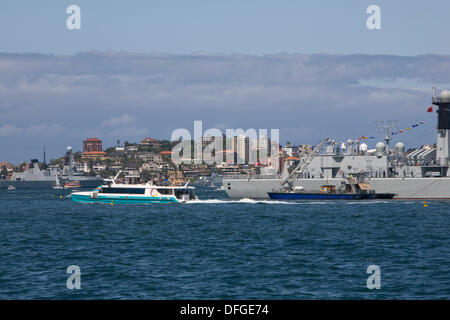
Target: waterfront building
column 81, row 166
column 99, row 167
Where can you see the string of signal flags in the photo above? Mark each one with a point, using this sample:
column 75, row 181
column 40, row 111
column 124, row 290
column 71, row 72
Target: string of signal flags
column 400, row 131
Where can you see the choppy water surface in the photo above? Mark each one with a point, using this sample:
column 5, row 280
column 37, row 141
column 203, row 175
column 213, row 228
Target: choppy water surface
column 222, row 249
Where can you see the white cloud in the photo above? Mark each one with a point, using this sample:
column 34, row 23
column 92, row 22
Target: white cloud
column 43, row 129
column 126, row 95
column 123, row 120
column 10, row 130
column 33, row 130
column 128, row 132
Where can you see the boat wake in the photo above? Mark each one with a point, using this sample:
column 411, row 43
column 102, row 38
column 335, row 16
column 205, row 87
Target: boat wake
column 239, row 201
column 303, row 202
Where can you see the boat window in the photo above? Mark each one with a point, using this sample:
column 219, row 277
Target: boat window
column 165, row 191
column 123, row 190
column 180, row 192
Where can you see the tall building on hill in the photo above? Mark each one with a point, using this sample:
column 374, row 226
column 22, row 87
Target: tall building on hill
column 93, row 149
column 92, row 145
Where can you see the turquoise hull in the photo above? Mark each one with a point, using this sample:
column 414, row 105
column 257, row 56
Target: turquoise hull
column 121, row 199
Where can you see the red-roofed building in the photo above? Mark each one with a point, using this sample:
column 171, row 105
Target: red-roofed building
column 93, row 149
column 92, row 145
column 150, row 142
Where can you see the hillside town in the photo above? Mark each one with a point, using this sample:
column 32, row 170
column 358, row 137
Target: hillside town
column 151, row 159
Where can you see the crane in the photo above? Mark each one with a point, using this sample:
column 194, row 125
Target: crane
column 304, row 162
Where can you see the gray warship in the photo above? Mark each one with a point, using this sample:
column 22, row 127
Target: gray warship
column 50, row 176
column 213, row 181
column 421, row 174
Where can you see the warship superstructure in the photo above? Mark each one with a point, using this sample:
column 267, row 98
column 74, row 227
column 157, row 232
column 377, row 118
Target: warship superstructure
column 421, row 174
column 50, row 176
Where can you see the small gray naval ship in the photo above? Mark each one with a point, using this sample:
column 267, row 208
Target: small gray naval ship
column 50, row 177
column 421, row 174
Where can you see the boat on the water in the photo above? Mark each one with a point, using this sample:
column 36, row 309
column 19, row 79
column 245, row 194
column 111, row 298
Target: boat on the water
column 132, row 193
column 114, row 193
column 72, row 185
column 329, row 192
column 58, row 185
column 422, row 173
column 11, row 188
column 39, row 175
column 352, row 187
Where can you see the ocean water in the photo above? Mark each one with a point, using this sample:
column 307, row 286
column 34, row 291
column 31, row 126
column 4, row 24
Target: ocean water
column 222, row 249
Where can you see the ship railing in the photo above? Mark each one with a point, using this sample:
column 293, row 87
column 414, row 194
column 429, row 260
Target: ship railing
column 248, row 176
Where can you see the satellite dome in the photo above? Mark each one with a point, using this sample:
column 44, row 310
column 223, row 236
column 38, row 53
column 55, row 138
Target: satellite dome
column 343, row 146
column 445, row 96
column 69, row 148
column 400, row 147
column 363, row 147
column 380, row 147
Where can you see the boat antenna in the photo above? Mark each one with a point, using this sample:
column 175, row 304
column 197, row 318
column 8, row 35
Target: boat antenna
column 113, row 180
column 116, row 176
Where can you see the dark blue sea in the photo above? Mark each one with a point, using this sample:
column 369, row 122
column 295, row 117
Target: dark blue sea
column 222, row 249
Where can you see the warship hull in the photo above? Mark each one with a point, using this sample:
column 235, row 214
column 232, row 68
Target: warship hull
column 46, row 184
column 404, row 188
column 423, row 173
column 36, row 178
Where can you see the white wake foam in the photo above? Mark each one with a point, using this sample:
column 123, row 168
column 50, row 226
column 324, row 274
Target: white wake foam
column 240, row 201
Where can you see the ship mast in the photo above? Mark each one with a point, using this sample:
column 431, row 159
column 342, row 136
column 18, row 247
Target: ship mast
column 443, row 127
column 387, row 138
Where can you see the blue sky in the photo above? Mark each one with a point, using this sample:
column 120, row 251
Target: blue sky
column 409, row 27
column 145, row 68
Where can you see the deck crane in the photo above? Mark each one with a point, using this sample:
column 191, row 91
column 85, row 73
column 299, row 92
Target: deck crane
column 304, row 162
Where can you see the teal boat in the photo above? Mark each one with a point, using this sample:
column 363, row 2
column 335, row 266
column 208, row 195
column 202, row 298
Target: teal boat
column 113, row 193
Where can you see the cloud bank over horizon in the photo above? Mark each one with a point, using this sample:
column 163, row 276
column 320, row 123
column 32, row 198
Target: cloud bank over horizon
column 59, row 100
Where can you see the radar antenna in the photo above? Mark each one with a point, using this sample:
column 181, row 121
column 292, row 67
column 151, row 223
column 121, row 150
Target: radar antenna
column 387, row 126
